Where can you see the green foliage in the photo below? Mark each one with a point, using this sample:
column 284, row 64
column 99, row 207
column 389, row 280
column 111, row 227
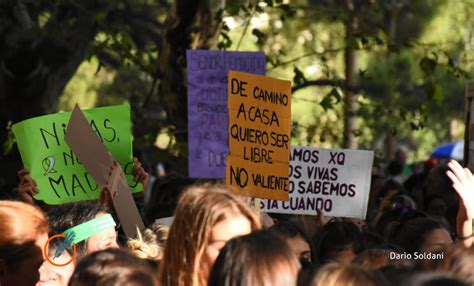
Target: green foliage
column 409, row 84
column 10, row 142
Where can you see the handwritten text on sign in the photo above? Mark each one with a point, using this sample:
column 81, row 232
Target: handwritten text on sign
column 60, row 176
column 207, row 106
column 259, row 135
column 337, row 181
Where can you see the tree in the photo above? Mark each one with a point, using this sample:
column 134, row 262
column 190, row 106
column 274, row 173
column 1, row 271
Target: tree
column 41, row 45
column 44, row 42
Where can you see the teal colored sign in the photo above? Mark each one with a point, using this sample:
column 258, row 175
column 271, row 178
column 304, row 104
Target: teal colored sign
column 60, row 176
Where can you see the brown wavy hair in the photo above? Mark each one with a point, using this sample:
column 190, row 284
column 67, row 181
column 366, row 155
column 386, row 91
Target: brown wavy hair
column 20, row 225
column 199, row 208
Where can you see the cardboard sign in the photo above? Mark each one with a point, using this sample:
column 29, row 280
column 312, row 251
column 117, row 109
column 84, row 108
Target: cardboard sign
column 104, row 169
column 259, row 135
column 337, row 181
column 60, row 176
column 207, row 106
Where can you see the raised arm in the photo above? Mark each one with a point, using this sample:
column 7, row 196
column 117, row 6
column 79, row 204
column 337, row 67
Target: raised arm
column 463, row 183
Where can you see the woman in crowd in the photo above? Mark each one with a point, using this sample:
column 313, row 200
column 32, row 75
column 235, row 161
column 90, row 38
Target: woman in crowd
column 113, row 267
column 206, row 218
column 295, row 238
column 259, row 259
column 422, row 235
column 458, row 261
column 338, row 241
column 376, row 258
column 23, row 234
column 62, row 218
column 53, row 275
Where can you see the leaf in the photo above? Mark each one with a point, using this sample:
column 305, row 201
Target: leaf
column 379, row 41
column 288, row 11
column 392, row 48
column 299, row 77
column 260, row 36
column 10, row 142
column 435, row 92
column 326, row 103
column 225, row 43
column 232, row 9
column 393, row 130
column 428, row 65
column 100, row 16
column 335, row 94
column 331, row 99
column 354, row 43
column 269, row 3
column 364, row 41
column 356, row 132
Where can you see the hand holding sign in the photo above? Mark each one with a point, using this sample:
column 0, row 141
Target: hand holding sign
column 59, row 174
column 27, row 187
column 139, row 173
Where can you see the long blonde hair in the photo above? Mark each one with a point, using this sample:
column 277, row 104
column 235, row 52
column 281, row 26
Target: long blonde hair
column 20, row 225
column 199, row 208
column 149, row 243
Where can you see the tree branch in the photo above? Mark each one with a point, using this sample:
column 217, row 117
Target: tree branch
column 327, row 82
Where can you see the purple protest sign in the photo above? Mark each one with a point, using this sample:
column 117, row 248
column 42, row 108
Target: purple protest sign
column 207, row 106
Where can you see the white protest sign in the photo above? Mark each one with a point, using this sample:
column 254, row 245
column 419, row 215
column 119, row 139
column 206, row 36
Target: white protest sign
column 337, row 181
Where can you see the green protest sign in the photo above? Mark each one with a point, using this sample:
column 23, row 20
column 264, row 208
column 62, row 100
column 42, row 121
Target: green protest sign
column 60, row 176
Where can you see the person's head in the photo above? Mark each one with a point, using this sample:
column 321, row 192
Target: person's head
column 458, row 261
column 295, row 238
column 421, row 235
column 392, row 217
column 436, row 206
column 394, row 168
column 113, row 267
column 258, row 259
column 161, row 232
column 334, row 274
column 401, row 154
column 67, row 216
column 338, row 241
column 23, row 234
column 373, row 259
column 206, row 218
column 432, row 279
column 52, row 275
column 147, row 245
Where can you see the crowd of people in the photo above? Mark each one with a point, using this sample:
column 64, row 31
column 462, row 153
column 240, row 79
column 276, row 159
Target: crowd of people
column 418, row 231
